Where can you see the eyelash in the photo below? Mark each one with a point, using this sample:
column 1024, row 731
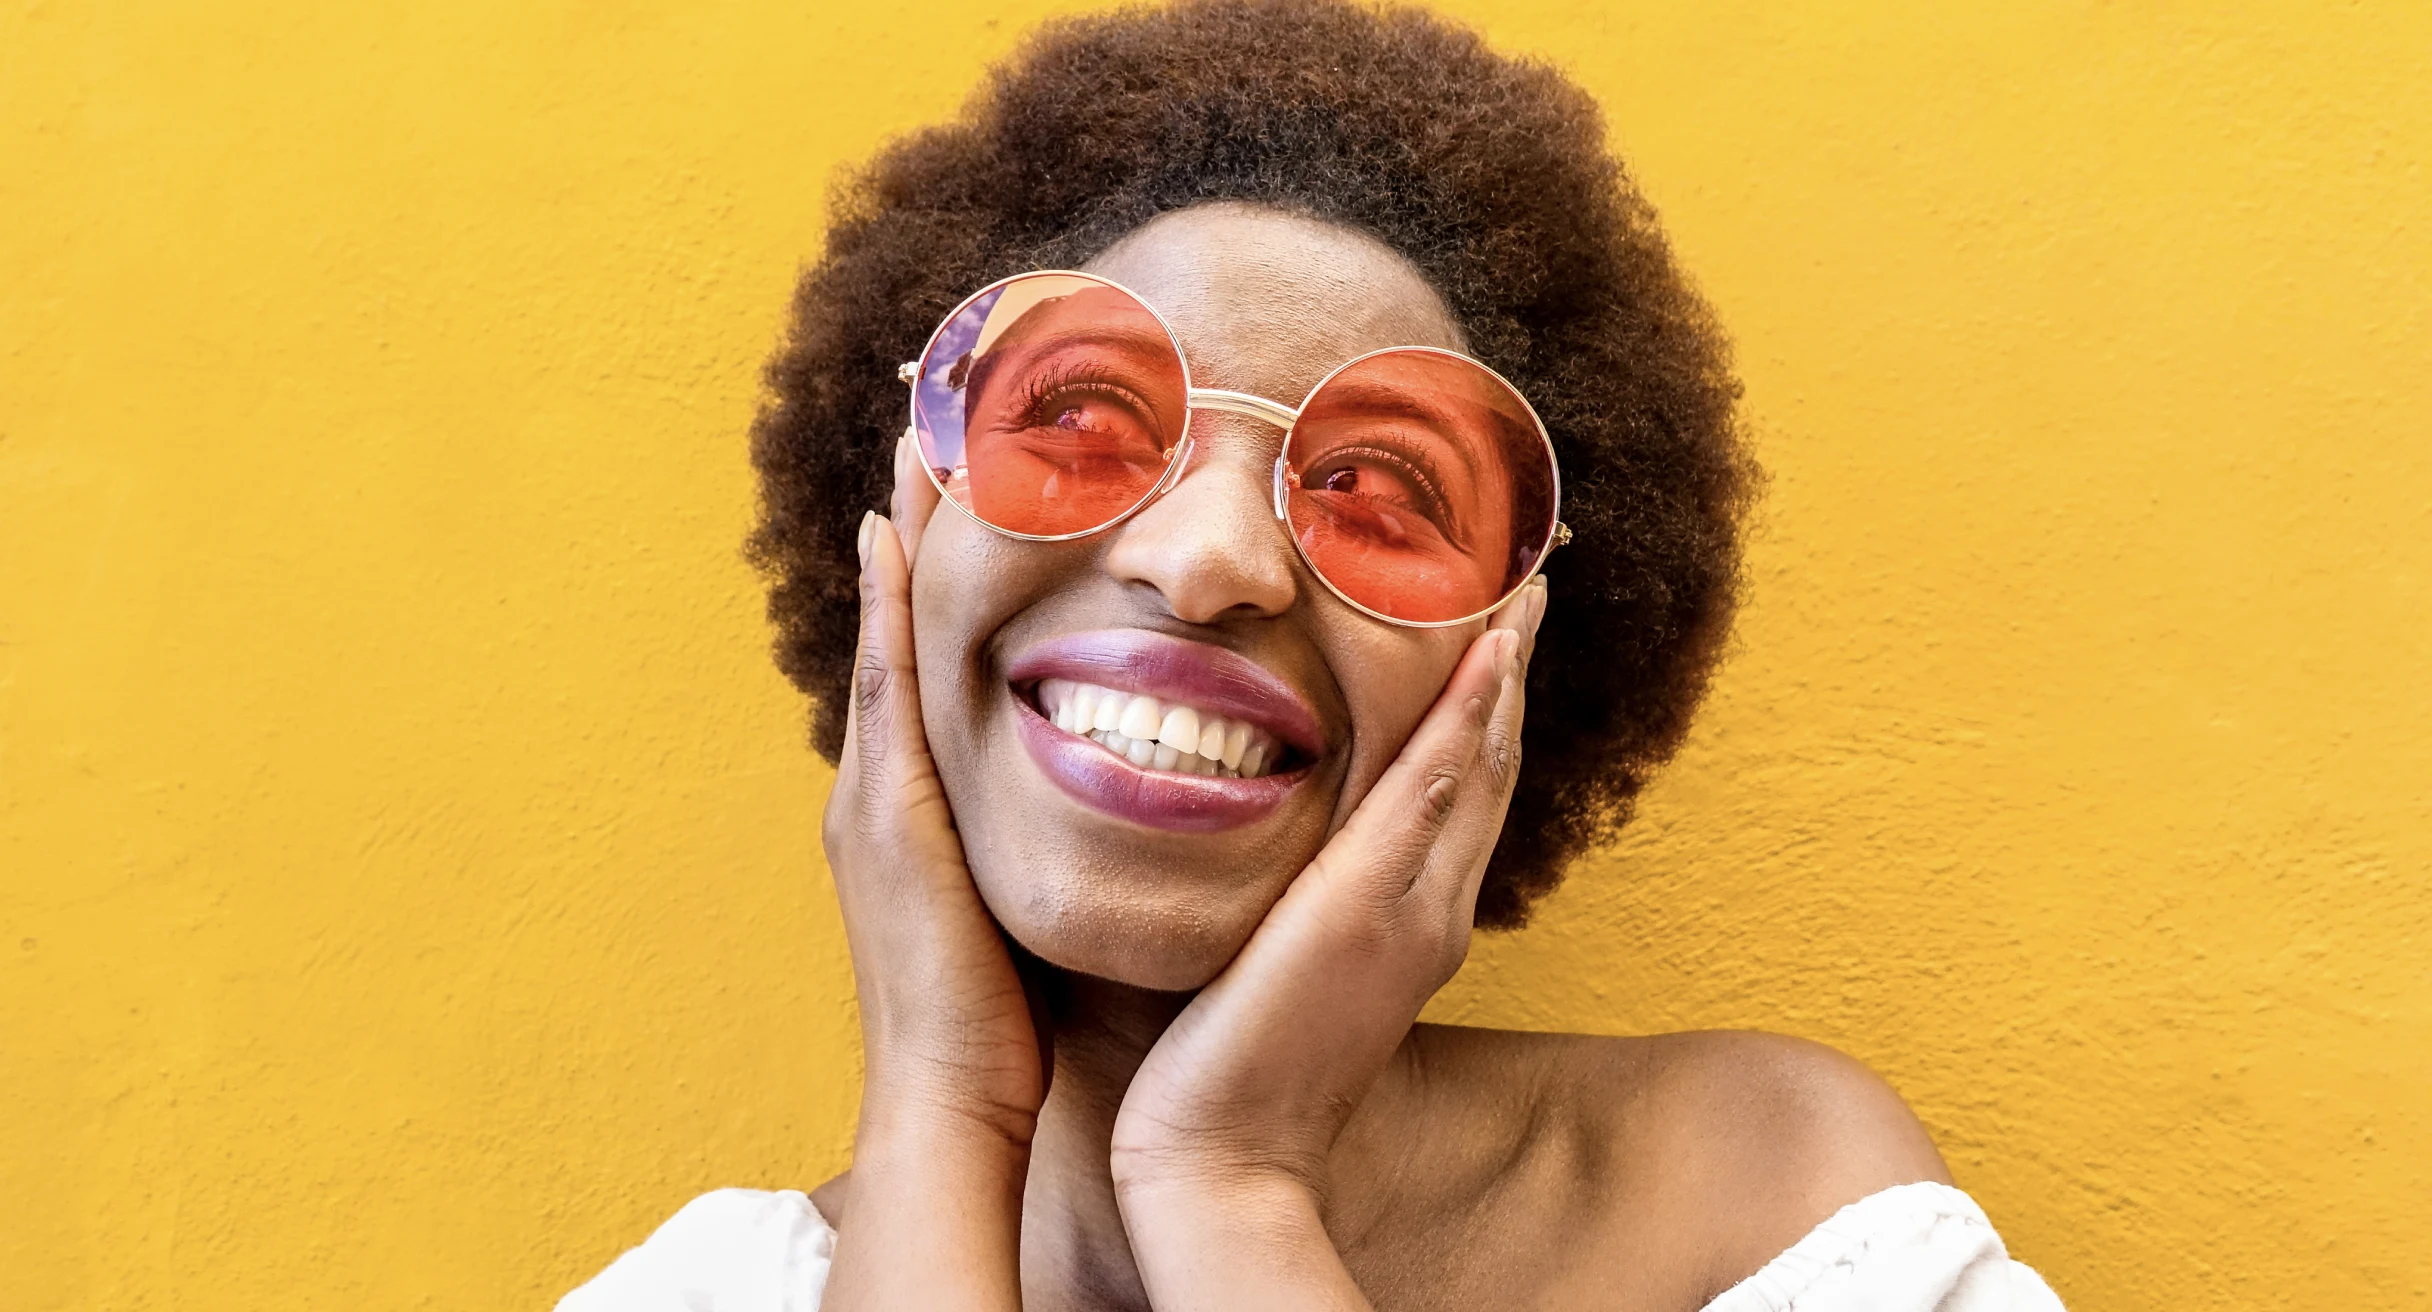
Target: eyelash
column 1051, row 384
column 1435, row 507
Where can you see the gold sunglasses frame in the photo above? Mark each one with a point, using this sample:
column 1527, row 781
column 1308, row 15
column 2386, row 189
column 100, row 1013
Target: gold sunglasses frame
column 1274, row 413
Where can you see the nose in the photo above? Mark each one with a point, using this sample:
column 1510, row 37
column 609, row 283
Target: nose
column 1211, row 546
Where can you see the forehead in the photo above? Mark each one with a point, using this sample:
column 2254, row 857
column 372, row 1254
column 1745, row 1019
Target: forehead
column 1269, row 302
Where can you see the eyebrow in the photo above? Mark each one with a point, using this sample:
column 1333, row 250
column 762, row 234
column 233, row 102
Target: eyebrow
column 1371, row 400
column 1127, row 340
column 1141, row 347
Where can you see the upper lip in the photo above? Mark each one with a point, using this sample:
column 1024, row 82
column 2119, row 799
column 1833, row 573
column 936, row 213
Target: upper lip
column 1198, row 674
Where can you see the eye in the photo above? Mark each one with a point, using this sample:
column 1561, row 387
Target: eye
column 1373, row 479
column 1090, row 413
column 1070, row 419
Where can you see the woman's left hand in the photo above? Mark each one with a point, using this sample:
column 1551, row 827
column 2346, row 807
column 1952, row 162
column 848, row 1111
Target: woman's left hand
column 1221, row 1145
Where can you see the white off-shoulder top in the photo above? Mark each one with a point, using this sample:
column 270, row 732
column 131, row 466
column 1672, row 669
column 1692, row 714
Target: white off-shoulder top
column 1910, row 1248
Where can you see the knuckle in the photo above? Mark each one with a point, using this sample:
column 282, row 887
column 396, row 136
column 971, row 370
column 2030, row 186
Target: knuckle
column 1452, row 952
column 1384, row 908
column 1503, row 757
column 1372, row 930
column 1480, row 708
column 836, row 833
column 1366, row 917
column 1439, row 792
column 873, row 679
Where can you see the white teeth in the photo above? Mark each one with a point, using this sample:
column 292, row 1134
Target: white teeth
column 1157, row 735
column 1141, row 718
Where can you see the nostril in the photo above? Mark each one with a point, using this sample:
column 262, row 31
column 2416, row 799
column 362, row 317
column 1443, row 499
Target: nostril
column 1206, row 549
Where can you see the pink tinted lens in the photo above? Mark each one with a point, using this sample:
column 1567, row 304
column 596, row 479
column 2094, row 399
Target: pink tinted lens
column 1420, row 485
column 1050, row 404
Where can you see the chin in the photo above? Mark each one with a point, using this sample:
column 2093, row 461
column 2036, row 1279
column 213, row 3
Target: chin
column 1129, row 922
column 1132, row 804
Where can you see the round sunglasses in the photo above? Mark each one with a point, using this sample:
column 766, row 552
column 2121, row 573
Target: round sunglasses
column 1417, row 484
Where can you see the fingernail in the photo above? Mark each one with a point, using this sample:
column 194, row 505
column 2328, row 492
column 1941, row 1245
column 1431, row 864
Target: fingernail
column 869, row 520
column 1507, row 652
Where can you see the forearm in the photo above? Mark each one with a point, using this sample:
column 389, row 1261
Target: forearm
column 1255, row 1241
column 935, row 1216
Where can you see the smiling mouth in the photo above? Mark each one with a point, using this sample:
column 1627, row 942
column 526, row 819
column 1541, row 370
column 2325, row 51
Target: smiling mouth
column 1158, row 734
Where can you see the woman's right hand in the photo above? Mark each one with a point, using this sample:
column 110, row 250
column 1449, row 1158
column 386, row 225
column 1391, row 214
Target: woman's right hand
column 954, row 1072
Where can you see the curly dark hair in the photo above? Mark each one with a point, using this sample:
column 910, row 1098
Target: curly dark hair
column 1489, row 172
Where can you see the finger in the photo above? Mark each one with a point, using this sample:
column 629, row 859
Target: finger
column 884, row 717
column 1499, row 746
column 1497, row 764
column 911, row 500
column 1388, row 900
column 915, row 497
column 1521, row 614
column 1389, row 848
column 1536, row 620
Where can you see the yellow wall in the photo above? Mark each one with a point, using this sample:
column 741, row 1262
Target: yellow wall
column 408, row 878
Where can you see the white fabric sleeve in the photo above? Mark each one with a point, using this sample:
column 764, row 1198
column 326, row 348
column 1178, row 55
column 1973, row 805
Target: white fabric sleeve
column 731, row 1250
column 1911, row 1248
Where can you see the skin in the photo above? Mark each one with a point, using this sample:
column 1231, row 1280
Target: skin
column 1094, row 1079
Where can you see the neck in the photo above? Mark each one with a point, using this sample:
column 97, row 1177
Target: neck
column 1074, row 1250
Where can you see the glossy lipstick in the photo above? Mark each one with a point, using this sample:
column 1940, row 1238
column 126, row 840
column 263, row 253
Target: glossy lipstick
column 1197, row 674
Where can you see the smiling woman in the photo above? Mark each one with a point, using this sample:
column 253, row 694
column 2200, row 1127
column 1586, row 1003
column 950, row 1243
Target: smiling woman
column 1179, row 727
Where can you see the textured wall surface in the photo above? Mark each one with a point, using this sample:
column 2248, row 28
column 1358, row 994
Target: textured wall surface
column 408, row 871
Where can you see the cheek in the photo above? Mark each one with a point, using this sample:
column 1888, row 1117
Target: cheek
column 1390, row 678
column 967, row 583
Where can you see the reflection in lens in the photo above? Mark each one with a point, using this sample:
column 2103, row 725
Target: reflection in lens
column 1419, row 485
column 1050, row 405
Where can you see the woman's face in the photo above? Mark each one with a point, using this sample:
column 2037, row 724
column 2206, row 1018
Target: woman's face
column 1197, row 604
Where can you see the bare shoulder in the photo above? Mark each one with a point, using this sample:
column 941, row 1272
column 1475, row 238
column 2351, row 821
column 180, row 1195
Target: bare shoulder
column 1704, row 1154
column 830, row 1198
column 1806, row 1127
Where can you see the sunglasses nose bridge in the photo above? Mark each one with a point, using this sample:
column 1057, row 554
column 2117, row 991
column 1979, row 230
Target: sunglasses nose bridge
column 1242, row 403
column 1253, row 407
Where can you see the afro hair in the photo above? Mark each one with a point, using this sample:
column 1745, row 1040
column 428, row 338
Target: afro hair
column 1490, row 173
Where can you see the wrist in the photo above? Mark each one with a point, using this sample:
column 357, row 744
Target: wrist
column 1251, row 1194
column 935, row 1216
column 1236, row 1237
column 929, row 1111
column 1217, row 1158
column 1205, row 1188
column 952, row 1068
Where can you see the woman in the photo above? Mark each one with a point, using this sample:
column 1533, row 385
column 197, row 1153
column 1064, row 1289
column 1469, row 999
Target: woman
column 1179, row 752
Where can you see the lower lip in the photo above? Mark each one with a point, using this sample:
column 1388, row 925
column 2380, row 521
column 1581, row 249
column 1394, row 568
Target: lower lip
column 1160, row 799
